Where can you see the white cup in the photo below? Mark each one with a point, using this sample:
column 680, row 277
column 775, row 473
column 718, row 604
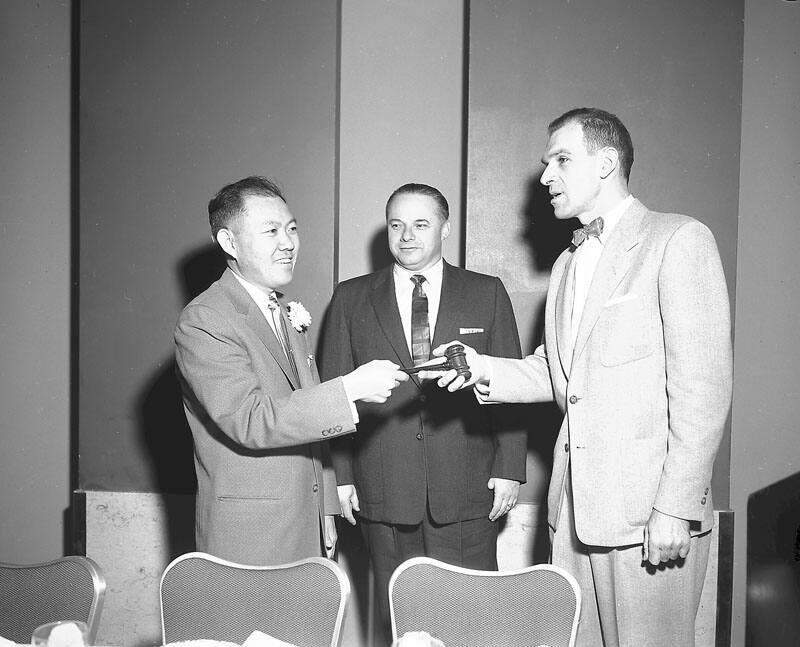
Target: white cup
column 64, row 633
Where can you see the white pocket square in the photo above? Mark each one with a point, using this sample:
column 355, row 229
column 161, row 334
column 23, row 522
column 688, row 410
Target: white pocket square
column 622, row 298
column 469, row 331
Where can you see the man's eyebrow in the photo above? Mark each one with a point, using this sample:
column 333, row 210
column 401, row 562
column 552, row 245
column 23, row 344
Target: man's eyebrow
column 555, row 153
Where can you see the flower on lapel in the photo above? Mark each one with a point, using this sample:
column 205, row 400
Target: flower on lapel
column 299, row 317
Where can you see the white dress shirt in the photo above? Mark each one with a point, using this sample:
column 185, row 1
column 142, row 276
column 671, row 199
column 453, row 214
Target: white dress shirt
column 262, row 301
column 586, row 258
column 404, row 288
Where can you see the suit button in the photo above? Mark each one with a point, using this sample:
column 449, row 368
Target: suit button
column 706, row 492
column 566, row 447
column 315, row 487
column 703, row 501
column 419, row 436
column 573, row 399
column 423, row 398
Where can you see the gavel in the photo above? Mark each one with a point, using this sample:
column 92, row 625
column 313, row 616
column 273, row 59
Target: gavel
column 456, row 361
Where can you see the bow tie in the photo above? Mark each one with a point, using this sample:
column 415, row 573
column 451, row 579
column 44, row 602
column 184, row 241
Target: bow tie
column 594, row 228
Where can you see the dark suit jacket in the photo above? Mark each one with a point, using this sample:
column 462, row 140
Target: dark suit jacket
column 263, row 483
column 424, row 443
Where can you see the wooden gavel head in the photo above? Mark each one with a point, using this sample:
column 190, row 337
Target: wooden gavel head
column 457, row 360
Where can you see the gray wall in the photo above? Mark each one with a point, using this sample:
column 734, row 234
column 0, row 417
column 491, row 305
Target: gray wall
column 34, row 253
column 670, row 71
column 176, row 100
column 35, row 287
column 401, row 118
column 765, row 447
column 166, row 119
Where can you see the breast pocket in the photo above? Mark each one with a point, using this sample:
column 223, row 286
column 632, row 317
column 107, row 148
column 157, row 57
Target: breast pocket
column 626, row 331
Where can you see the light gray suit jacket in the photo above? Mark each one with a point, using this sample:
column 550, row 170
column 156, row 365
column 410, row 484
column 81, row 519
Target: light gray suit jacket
column 264, row 480
column 646, row 388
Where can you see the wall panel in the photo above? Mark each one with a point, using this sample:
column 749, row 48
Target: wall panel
column 670, row 71
column 177, row 99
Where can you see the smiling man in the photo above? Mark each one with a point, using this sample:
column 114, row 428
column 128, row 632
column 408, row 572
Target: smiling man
column 266, row 492
column 429, row 474
column 637, row 353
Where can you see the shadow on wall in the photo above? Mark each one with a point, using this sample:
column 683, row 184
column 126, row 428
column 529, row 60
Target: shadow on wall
column 162, row 423
column 546, row 237
column 773, row 565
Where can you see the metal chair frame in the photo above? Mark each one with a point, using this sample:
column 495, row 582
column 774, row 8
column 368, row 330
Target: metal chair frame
column 21, row 585
column 171, row 635
column 478, row 575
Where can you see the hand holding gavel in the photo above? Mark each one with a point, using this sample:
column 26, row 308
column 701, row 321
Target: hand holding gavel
column 456, row 360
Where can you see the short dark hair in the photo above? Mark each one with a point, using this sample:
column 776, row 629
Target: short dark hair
column 422, row 189
column 228, row 204
column 600, row 128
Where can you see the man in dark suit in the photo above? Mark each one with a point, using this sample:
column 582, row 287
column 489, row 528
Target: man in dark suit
column 428, row 474
column 266, row 491
column 637, row 353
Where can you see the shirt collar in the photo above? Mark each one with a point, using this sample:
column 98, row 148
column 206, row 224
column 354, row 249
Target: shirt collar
column 613, row 216
column 258, row 295
column 433, row 274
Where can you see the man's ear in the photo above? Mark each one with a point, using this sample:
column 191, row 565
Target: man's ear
column 609, row 161
column 445, row 229
column 227, row 241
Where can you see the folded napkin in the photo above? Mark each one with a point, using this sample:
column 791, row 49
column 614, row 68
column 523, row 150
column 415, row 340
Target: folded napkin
column 260, row 639
column 417, row 639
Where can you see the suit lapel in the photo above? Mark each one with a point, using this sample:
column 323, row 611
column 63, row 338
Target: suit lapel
column 247, row 308
column 303, row 358
column 384, row 304
column 564, row 300
column 614, row 263
column 452, row 301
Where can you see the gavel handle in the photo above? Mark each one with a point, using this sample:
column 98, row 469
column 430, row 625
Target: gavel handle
column 444, row 366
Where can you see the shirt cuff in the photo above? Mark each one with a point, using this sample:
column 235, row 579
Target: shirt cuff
column 353, row 409
column 482, row 391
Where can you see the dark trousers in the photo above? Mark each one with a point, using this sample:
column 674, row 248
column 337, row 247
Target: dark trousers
column 470, row 544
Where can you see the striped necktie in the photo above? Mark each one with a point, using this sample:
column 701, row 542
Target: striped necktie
column 420, row 331
column 282, row 333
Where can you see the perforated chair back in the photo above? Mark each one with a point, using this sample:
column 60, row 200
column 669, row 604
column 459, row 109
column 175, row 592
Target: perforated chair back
column 534, row 606
column 204, row 597
column 68, row 588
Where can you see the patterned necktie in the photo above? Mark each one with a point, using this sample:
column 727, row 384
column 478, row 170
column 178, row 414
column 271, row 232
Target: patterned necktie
column 282, row 333
column 594, row 228
column 420, row 331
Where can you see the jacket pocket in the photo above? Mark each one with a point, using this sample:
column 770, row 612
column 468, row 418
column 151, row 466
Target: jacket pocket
column 624, row 329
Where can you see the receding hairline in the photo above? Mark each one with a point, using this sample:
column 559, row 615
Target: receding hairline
column 442, row 213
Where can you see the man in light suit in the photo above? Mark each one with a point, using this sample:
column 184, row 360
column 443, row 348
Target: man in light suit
column 637, row 353
column 266, row 491
column 429, row 474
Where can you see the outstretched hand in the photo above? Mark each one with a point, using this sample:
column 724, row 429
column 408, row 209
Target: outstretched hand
column 451, row 379
column 373, row 381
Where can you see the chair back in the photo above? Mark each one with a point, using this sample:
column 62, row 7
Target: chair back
column 205, row 597
column 534, row 606
column 68, row 588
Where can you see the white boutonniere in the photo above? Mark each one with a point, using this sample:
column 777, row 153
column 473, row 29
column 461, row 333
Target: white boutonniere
column 299, row 317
